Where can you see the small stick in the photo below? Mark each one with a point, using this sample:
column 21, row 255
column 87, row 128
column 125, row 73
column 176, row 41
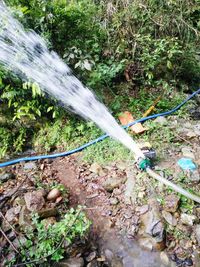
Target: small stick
column 14, row 248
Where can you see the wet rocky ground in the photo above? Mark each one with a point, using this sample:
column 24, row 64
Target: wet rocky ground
column 137, row 221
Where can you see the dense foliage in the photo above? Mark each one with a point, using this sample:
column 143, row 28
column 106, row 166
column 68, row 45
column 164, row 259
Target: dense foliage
column 118, row 48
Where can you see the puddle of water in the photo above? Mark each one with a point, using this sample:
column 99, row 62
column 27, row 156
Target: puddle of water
column 127, row 253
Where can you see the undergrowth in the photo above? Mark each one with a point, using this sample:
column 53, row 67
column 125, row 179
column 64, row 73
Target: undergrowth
column 44, row 243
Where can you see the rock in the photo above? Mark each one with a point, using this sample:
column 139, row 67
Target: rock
column 152, row 227
column 187, row 152
column 164, row 258
column 186, row 244
column 109, row 255
column 143, row 209
column 71, row 262
column 30, row 166
column 45, row 213
column 11, row 216
column 122, row 165
column 171, row 203
column 187, row 219
column 49, row 221
column 141, row 194
column 25, row 219
column 191, row 134
column 195, row 113
column 161, row 120
column 129, row 193
column 92, row 264
column 187, row 230
column 169, row 218
column 193, row 176
column 113, row 182
column 91, row 256
column 19, row 201
column 34, row 200
column 197, row 233
column 128, row 214
column 146, row 243
column 181, row 253
column 12, row 213
column 53, row 194
column 96, row 168
column 5, row 176
column 59, row 199
column 114, row 201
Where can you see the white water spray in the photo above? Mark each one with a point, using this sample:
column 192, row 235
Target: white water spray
column 26, row 54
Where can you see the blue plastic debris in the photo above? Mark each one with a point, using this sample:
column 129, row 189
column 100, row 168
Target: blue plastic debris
column 187, row 164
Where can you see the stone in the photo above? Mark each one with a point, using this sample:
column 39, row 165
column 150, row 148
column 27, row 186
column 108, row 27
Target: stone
column 5, row 176
column 152, row 226
column 186, row 244
column 12, row 216
column 197, row 233
column 114, row 201
column 45, row 213
column 142, row 209
column 141, row 194
column 122, row 165
column 171, row 203
column 109, row 255
column 193, row 176
column 34, row 200
column 25, row 219
column 169, row 218
column 113, row 182
column 187, row 219
column 92, row 264
column 191, row 134
column 187, row 152
column 91, row 256
column 12, row 213
column 95, row 168
column 30, row 166
column 164, row 258
column 53, row 194
column 129, row 193
column 71, row 262
column 161, row 120
column 146, row 243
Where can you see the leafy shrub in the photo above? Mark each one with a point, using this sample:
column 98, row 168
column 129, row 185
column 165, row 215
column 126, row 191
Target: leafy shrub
column 48, row 242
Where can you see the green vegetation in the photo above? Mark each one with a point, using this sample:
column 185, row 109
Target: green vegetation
column 129, row 52
column 49, row 242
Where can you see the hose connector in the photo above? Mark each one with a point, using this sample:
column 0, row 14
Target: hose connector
column 143, row 164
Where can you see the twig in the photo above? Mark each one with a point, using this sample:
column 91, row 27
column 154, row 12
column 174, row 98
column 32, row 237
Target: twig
column 182, row 138
column 59, row 245
column 1, row 214
column 14, row 248
column 190, row 27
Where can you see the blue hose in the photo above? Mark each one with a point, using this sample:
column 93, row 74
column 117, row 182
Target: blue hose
column 70, row 152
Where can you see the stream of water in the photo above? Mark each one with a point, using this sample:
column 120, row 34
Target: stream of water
column 26, row 54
